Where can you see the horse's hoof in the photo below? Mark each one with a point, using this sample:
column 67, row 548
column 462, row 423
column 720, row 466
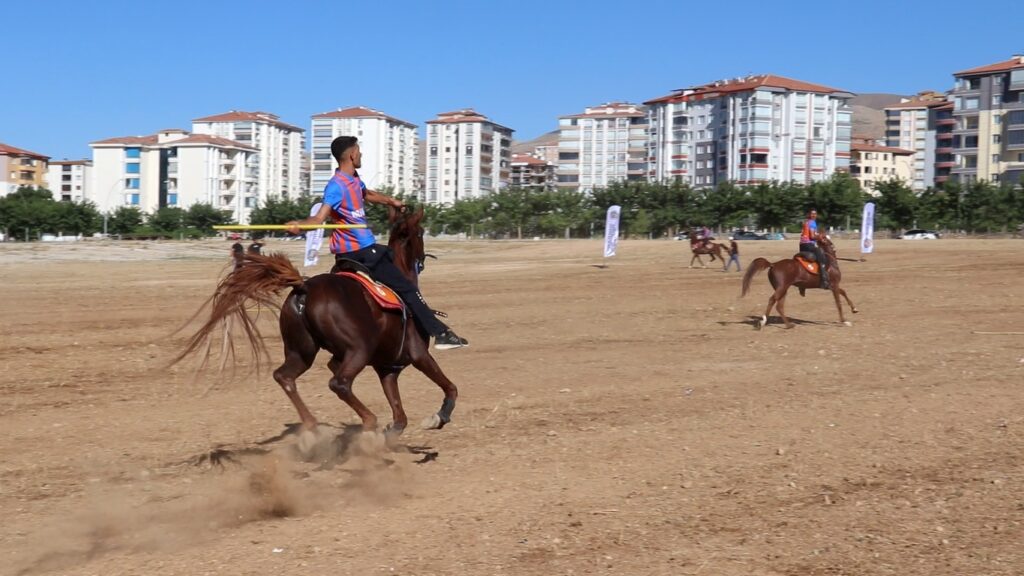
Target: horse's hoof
column 855, row 310
column 306, row 443
column 432, row 422
column 762, row 322
column 847, row 323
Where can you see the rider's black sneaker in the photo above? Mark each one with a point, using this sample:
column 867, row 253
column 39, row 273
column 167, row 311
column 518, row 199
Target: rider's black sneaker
column 448, row 340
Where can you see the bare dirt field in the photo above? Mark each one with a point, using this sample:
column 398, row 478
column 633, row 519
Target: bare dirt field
column 624, row 420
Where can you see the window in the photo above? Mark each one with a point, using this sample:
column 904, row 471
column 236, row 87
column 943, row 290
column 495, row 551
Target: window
column 131, row 183
column 996, row 138
column 132, row 168
column 133, row 199
column 131, row 152
column 172, row 199
column 997, row 99
column 995, row 158
column 970, row 103
column 469, row 150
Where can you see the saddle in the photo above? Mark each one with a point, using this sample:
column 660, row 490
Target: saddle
column 383, row 295
column 808, row 261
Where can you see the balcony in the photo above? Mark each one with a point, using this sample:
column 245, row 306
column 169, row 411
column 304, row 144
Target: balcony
column 945, row 122
column 945, row 164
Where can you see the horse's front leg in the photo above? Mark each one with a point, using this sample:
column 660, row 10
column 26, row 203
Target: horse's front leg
column 389, row 382
column 426, row 364
column 848, row 301
column 839, row 305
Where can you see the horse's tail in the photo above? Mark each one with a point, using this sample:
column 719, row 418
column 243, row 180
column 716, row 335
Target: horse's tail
column 756, row 266
column 259, row 278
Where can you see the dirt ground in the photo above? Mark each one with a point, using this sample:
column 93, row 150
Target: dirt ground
column 619, row 420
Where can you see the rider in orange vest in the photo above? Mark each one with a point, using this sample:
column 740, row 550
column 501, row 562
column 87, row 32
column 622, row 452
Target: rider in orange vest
column 809, row 243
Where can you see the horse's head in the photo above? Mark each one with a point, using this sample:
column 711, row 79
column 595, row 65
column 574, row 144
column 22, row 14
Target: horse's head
column 406, row 240
column 826, row 245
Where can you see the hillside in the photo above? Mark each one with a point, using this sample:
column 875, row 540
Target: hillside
column 869, row 113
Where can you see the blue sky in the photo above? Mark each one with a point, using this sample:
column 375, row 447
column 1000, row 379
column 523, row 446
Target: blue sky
column 84, row 71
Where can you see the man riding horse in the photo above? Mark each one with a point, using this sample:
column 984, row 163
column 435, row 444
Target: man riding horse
column 809, row 237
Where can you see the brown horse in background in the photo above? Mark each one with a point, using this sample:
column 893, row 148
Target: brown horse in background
column 715, row 250
column 785, row 273
column 334, row 313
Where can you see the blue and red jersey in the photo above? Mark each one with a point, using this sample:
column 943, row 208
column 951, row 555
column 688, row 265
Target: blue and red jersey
column 345, row 195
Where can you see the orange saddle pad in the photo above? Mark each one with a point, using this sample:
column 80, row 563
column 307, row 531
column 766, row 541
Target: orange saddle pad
column 384, row 296
column 811, row 267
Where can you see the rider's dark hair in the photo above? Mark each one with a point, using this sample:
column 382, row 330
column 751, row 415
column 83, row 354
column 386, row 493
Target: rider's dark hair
column 341, row 144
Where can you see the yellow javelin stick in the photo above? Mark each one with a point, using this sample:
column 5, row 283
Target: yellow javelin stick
column 285, row 227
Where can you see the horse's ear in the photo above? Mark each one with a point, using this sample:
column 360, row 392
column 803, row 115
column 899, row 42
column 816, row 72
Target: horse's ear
column 414, row 220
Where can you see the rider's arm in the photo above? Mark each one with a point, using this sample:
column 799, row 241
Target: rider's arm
column 319, row 218
column 378, row 198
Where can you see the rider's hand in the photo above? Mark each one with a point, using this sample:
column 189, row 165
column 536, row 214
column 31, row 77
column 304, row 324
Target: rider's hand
column 293, row 227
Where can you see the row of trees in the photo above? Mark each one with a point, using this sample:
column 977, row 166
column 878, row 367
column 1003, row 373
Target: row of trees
column 648, row 209
column 29, row 212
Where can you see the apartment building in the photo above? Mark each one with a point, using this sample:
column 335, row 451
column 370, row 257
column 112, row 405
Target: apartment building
column 174, row 168
column 468, row 156
column 750, row 130
column 19, row 168
column 529, row 171
column 69, row 179
column 604, row 144
column 387, row 143
column 278, row 164
column 923, row 124
column 988, row 108
column 872, row 162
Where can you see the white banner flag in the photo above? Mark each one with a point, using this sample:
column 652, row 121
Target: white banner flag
column 867, row 229
column 611, row 231
column 314, row 238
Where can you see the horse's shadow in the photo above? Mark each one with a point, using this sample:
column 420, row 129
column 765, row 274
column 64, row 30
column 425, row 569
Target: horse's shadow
column 753, row 321
column 330, row 447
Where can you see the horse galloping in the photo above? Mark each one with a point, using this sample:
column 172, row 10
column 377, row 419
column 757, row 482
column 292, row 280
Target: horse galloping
column 335, row 313
column 791, row 272
column 715, row 250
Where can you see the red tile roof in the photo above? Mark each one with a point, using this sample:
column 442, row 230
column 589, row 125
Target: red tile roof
column 128, row 140
column 464, row 115
column 6, row 150
column 877, row 148
column 920, row 103
column 241, row 116
column 209, row 140
column 153, row 141
column 743, row 84
column 1006, row 65
column 361, row 112
column 527, row 159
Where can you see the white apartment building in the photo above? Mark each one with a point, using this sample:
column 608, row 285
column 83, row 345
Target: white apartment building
column 529, row 171
column 174, row 168
column 69, row 180
column 750, row 130
column 388, row 146
column 467, row 156
column 604, row 144
column 278, row 165
column 924, row 125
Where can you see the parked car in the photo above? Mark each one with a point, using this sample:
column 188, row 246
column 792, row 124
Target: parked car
column 919, row 234
column 747, row 235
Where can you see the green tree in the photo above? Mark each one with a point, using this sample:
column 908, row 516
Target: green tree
column 640, row 225
column 167, row 220
column 124, row 220
column 35, row 210
column 203, row 217
column 897, row 205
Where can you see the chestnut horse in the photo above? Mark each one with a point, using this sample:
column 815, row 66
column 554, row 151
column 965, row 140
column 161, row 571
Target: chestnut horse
column 334, row 313
column 785, row 273
column 713, row 249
